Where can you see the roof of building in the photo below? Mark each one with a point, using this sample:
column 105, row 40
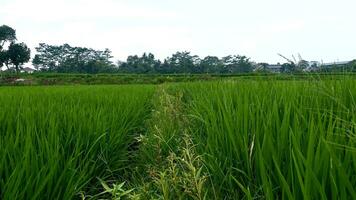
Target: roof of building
column 274, row 66
column 28, row 69
column 336, row 63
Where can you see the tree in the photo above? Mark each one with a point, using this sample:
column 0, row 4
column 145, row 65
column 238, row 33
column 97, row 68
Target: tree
column 243, row 64
column 18, row 54
column 165, row 67
column 47, row 57
column 4, row 59
column 144, row 64
column 183, row 62
column 7, row 34
column 211, row 64
column 236, row 64
column 37, row 62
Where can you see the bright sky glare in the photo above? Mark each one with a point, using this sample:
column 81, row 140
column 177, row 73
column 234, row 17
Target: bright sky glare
column 317, row 29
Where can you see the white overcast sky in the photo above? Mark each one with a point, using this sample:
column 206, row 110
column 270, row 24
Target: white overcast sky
column 317, row 29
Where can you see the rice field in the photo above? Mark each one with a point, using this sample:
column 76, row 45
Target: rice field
column 56, row 141
column 229, row 139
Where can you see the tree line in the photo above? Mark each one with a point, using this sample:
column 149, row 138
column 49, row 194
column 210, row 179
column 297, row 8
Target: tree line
column 69, row 59
column 65, row 58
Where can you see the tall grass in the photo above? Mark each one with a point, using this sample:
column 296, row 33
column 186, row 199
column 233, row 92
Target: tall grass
column 168, row 166
column 55, row 142
column 277, row 139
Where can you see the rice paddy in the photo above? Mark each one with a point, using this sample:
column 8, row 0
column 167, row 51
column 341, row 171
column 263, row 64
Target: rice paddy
column 238, row 139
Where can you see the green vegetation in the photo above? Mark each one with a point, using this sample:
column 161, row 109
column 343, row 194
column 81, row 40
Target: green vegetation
column 109, row 79
column 57, row 141
column 67, row 59
column 96, row 79
column 247, row 138
column 284, row 139
column 16, row 54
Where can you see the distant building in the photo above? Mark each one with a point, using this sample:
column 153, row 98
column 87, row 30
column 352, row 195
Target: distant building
column 28, row 70
column 277, row 68
column 336, row 64
column 265, row 67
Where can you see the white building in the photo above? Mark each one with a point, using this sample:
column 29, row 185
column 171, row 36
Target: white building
column 277, row 68
column 27, row 70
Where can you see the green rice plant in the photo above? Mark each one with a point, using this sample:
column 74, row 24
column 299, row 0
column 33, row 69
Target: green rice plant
column 276, row 139
column 56, row 141
column 248, row 138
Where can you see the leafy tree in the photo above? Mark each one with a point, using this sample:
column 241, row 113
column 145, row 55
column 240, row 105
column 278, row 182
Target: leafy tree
column 37, row 62
column 131, row 65
column 211, row 64
column 144, row 64
column 149, row 63
column 243, row 64
column 183, row 62
column 165, row 68
column 7, row 34
column 18, row 54
column 236, row 64
column 4, row 59
column 47, row 57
